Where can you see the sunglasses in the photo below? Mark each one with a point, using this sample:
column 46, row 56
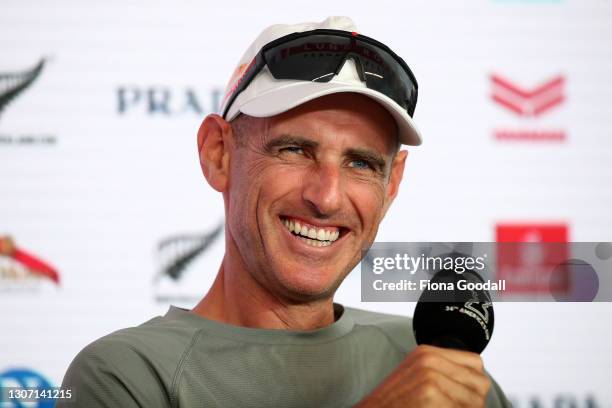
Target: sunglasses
column 319, row 55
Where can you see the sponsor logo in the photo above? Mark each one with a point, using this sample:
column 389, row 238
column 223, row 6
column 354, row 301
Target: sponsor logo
column 532, row 232
column 23, row 378
column 481, row 309
column 161, row 101
column 177, row 256
column 20, row 270
column 529, row 258
column 528, row 103
column 12, row 85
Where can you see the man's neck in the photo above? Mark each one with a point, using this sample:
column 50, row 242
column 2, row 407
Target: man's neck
column 236, row 298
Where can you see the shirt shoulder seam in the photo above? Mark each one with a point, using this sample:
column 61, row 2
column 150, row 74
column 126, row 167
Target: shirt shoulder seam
column 176, row 377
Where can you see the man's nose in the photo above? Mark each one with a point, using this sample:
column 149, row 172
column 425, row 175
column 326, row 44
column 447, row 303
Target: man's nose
column 323, row 189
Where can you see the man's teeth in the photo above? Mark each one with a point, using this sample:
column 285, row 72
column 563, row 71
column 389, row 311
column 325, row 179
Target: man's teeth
column 317, row 237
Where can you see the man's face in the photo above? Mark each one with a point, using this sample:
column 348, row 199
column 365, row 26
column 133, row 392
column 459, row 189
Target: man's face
column 307, row 191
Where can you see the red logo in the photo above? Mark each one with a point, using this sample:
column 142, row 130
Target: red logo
column 29, row 262
column 528, row 256
column 531, row 233
column 527, row 102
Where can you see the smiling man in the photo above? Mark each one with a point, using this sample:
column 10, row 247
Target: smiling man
column 304, row 191
column 306, row 155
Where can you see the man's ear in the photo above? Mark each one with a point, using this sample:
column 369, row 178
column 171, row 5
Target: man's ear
column 215, row 140
column 395, row 178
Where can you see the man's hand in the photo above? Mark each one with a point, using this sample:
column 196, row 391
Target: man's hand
column 433, row 377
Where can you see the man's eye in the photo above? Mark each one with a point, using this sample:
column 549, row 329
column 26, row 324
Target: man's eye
column 293, row 149
column 360, row 164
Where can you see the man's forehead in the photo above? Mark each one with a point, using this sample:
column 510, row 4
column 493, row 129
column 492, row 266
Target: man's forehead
column 341, row 118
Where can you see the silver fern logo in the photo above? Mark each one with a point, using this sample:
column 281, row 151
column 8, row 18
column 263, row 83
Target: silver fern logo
column 176, row 253
column 14, row 83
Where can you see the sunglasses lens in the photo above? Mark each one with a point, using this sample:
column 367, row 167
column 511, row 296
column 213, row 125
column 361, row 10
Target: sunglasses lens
column 319, row 57
column 311, row 58
column 383, row 73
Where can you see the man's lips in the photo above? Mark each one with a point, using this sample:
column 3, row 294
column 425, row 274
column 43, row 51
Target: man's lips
column 313, row 235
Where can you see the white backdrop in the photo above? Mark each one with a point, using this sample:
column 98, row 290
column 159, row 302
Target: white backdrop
column 98, row 163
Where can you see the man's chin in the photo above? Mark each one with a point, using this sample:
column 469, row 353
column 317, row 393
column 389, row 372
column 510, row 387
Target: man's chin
column 309, row 289
column 309, row 275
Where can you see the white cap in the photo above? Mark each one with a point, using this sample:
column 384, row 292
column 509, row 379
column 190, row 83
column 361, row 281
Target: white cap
column 266, row 96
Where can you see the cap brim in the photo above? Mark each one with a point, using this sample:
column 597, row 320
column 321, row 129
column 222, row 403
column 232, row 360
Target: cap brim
column 284, row 98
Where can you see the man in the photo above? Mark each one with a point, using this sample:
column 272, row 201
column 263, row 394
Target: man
column 306, row 155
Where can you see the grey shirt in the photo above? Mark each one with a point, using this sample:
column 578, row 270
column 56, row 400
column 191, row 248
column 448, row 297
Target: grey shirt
column 184, row 360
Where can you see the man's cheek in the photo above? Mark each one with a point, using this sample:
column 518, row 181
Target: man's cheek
column 279, row 180
column 369, row 197
column 370, row 206
column 243, row 205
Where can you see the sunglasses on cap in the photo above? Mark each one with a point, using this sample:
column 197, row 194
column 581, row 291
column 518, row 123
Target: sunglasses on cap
column 319, row 55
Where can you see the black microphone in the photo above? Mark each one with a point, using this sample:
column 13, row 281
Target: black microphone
column 458, row 317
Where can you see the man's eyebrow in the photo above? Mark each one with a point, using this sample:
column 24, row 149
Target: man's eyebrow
column 295, row 140
column 377, row 159
column 372, row 156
